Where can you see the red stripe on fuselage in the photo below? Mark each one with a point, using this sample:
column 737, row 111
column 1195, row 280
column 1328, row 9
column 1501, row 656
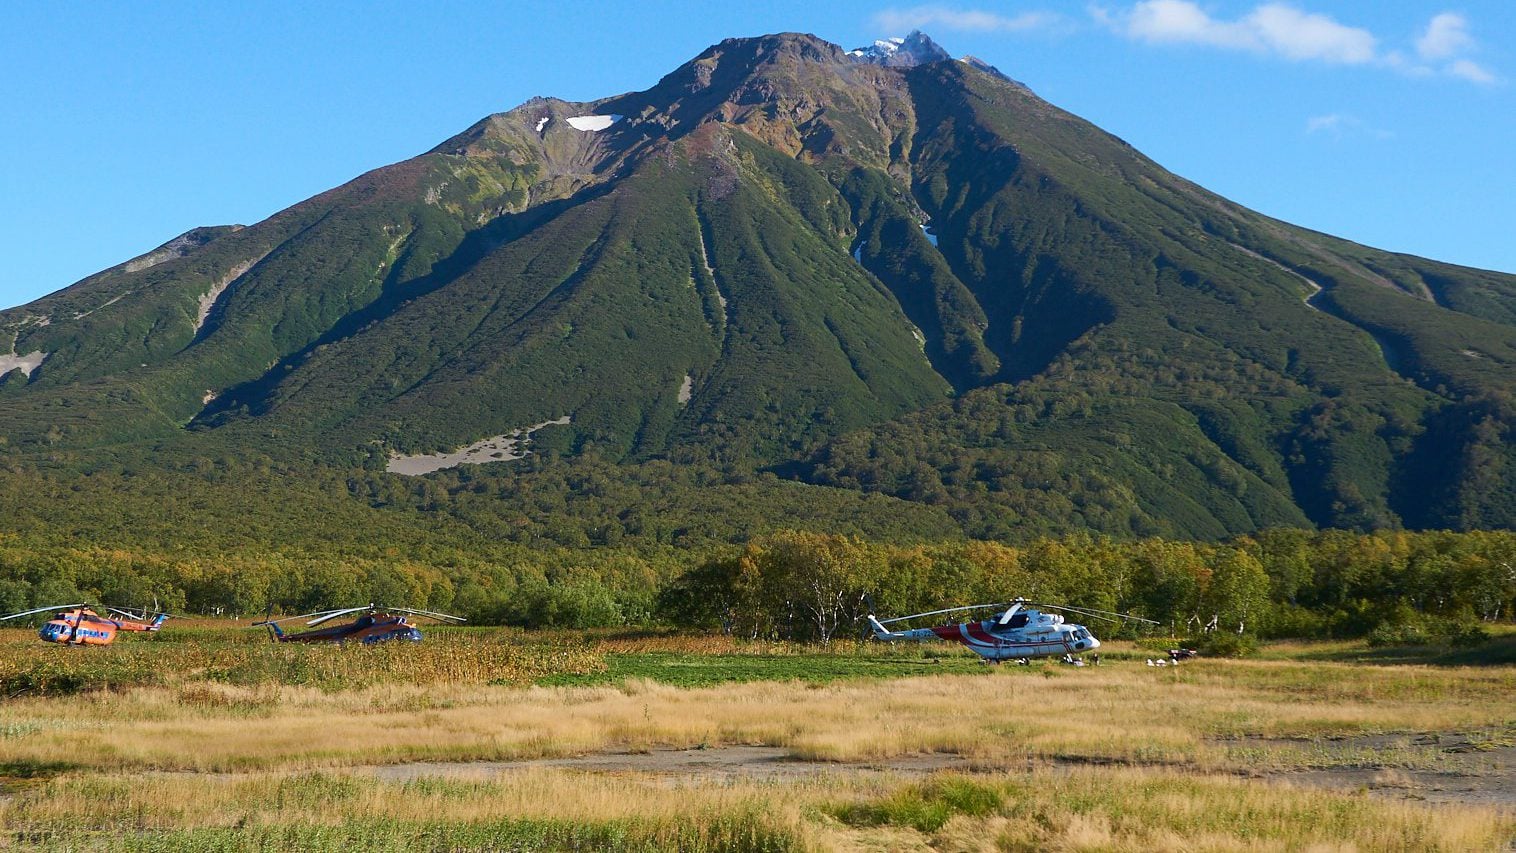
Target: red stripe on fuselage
column 977, row 632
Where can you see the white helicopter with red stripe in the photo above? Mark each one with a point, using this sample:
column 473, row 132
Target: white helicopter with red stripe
column 1019, row 629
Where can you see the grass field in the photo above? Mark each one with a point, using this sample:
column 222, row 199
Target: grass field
column 203, row 738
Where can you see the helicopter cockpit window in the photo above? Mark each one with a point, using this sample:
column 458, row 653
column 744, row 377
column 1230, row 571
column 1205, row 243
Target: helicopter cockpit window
column 1018, row 621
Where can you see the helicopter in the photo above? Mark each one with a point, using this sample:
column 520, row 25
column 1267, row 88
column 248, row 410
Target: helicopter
column 376, row 625
column 81, row 625
column 1016, row 630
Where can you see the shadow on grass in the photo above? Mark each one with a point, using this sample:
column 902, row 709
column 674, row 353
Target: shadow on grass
column 1499, row 651
column 33, row 769
column 19, row 776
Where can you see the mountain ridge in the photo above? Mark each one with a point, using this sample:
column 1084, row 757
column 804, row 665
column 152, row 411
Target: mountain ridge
column 893, row 272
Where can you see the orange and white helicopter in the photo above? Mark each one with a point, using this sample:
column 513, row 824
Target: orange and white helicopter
column 81, row 625
column 1015, row 630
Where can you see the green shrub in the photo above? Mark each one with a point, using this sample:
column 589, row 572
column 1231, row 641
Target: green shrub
column 1390, row 634
column 1292, row 620
column 567, row 606
column 1461, row 630
column 925, row 807
column 1224, row 644
column 1402, row 626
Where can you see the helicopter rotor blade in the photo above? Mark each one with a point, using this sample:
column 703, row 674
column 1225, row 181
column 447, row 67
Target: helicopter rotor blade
column 938, row 612
column 326, row 617
column 1091, row 615
column 1011, row 611
column 1077, row 610
column 1108, row 615
column 1099, row 612
column 445, row 617
column 140, row 614
column 41, row 610
column 270, row 621
column 1124, row 617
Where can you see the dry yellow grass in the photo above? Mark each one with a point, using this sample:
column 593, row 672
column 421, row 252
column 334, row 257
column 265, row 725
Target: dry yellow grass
column 232, row 654
column 1086, row 809
column 1116, row 712
column 195, row 763
column 177, row 801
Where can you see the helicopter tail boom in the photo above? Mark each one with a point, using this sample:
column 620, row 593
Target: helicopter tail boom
column 887, row 635
column 275, row 633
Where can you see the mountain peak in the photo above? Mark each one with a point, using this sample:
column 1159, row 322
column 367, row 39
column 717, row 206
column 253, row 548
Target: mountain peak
column 915, row 49
column 774, row 48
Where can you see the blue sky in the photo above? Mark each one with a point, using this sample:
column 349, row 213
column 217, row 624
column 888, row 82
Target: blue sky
column 1390, row 124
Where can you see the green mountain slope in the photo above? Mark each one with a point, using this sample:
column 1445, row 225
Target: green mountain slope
column 915, row 279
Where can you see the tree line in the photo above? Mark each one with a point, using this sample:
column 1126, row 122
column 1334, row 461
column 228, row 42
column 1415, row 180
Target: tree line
column 808, row 586
column 1278, row 583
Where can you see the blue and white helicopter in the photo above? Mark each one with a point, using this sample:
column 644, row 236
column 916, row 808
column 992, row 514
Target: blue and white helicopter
column 1015, row 630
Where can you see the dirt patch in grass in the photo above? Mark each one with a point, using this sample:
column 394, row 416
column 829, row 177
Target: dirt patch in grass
column 1425, row 785
column 1473, row 769
column 720, row 763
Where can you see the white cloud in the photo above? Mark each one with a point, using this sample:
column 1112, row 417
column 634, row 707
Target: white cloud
column 1316, row 124
column 1446, row 42
column 1288, row 32
column 1272, row 28
column 1337, row 125
column 1299, row 35
column 1400, row 62
column 1472, row 71
column 1180, row 21
column 971, row 20
column 1446, row 36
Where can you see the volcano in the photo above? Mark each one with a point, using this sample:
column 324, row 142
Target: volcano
column 882, row 271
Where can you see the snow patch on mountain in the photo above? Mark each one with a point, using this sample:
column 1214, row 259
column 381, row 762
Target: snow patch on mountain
column 879, row 49
column 914, row 49
column 593, row 123
column 919, row 49
column 542, row 122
